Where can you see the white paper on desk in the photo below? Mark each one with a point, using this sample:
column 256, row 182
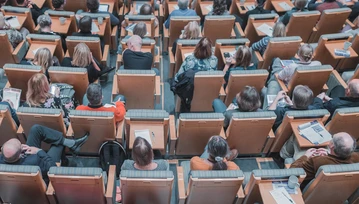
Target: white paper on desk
column 12, row 95
column 187, row 54
column 266, row 29
column 14, row 22
column 314, row 132
column 175, row 7
column 103, row 7
column 250, row 7
column 209, row 7
column 145, row 134
column 281, row 196
column 285, row 6
column 270, row 99
column 94, row 28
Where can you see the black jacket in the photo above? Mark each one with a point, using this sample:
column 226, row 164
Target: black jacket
column 257, row 10
column 341, row 102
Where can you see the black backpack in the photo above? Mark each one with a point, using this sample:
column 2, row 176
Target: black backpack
column 183, row 88
column 112, row 153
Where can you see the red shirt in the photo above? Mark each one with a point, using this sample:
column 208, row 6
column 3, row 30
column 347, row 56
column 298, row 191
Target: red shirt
column 118, row 110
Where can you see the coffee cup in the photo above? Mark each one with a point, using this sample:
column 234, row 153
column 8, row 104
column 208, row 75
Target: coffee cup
column 62, row 20
column 293, row 182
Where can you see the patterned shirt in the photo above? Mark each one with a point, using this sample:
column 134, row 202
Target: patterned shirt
column 261, row 45
column 191, row 62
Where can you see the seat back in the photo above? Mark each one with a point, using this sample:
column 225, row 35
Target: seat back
column 230, row 44
column 315, row 77
column 248, row 132
column 250, row 31
column 146, row 186
column 282, row 47
column 345, row 120
column 44, row 41
column 77, row 77
column 302, row 23
column 207, row 85
column 240, row 79
column 330, row 178
column 20, row 11
column 70, row 16
column 211, row 25
column 331, row 21
column 74, row 6
column 7, row 125
column 259, row 176
column 181, row 46
column 78, row 184
column 350, row 63
column 194, row 131
column 99, row 124
column 284, row 131
column 20, row 183
column 94, row 43
column 18, row 75
column 138, row 86
column 148, row 19
column 177, row 25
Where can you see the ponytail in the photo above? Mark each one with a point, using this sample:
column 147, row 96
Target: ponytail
column 219, row 164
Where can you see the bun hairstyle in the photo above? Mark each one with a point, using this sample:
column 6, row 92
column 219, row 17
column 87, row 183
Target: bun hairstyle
column 305, row 52
column 218, row 150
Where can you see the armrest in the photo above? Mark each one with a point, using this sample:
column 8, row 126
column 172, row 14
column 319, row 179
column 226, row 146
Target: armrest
column 50, row 194
column 240, row 31
column 118, row 61
column 158, row 89
column 173, row 136
column 222, row 94
column 180, row 186
column 114, row 86
column 223, row 134
column 348, row 22
column 70, row 131
column 340, row 79
column 269, row 142
column 281, row 84
column 111, row 184
column 106, row 56
column 259, row 58
column 240, row 195
column 119, row 132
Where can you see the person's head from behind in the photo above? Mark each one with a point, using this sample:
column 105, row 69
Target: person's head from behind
column 142, row 152
column 15, row 37
column 219, row 7
column 93, row 5
column 85, row 24
column 248, row 99
column 146, row 9
column 94, row 94
column 300, row 4
column 37, row 90
column 203, row 49
column 134, row 43
column 243, row 57
column 43, row 58
column 302, row 97
column 11, row 150
column 44, row 21
column 342, row 145
column 81, row 56
column 191, row 30
column 279, row 30
column 140, row 29
column 182, row 4
column 218, row 150
column 353, row 88
column 305, row 53
column 58, row 4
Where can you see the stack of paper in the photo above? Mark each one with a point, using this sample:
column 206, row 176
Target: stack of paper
column 14, row 22
column 130, row 27
column 314, row 132
column 284, row 184
column 266, row 29
column 94, row 28
column 285, row 6
column 145, row 134
column 13, row 95
column 232, row 53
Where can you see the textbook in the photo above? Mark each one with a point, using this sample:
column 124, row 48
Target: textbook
column 314, row 132
column 13, row 95
column 145, row 134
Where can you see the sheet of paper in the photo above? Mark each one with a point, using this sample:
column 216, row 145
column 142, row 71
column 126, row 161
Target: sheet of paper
column 250, row 7
column 145, row 134
column 284, row 184
column 209, row 7
column 94, row 28
column 175, row 7
column 281, row 196
column 12, row 95
column 103, row 7
column 14, row 22
column 285, row 6
column 187, row 54
column 266, row 29
column 270, row 99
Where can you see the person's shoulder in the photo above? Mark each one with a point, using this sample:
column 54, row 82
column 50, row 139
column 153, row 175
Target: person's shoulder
column 198, row 163
column 128, row 165
column 161, row 164
column 232, row 166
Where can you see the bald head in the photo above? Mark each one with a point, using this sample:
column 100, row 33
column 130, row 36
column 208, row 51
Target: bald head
column 11, row 150
column 343, row 144
column 134, row 43
column 353, row 88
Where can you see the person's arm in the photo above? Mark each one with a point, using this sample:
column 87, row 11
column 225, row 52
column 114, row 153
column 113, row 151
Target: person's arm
column 306, row 162
column 114, row 20
column 318, row 103
column 260, row 44
column 46, row 160
column 228, row 64
column 120, row 111
column 312, row 5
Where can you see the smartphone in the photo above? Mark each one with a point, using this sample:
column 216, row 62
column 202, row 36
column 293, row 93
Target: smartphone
column 226, row 55
column 243, row 8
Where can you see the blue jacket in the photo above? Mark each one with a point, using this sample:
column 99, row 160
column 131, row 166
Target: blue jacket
column 179, row 12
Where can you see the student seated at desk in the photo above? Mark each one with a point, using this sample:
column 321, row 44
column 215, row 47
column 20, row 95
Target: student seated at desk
column 4, row 25
column 216, row 156
column 142, row 155
column 45, row 22
column 85, row 25
column 259, row 9
column 145, row 9
column 58, row 4
column 190, row 32
column 94, row 5
column 299, row 6
column 278, row 31
column 182, row 10
column 35, row 10
column 140, row 29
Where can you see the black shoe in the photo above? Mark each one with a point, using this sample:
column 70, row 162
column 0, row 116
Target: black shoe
column 78, row 143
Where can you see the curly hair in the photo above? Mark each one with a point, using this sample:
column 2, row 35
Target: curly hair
column 219, row 7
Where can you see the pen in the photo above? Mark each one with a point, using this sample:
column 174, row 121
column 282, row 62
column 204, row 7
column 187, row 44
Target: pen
column 287, row 197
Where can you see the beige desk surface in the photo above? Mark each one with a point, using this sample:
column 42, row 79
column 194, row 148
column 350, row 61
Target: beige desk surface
column 157, row 138
column 245, row 4
column 101, row 27
column 331, row 46
column 304, row 143
column 227, row 49
column 203, row 5
column 185, row 51
column 20, row 17
column 171, row 6
column 57, row 27
column 266, row 187
column 260, row 33
column 34, row 46
column 39, row 3
column 278, row 8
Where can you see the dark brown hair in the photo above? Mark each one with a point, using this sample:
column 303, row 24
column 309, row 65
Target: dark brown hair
column 248, row 99
column 142, row 152
column 218, row 149
column 203, row 49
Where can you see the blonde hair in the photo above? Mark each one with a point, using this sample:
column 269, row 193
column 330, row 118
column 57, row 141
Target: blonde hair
column 82, row 55
column 243, row 57
column 191, row 30
column 37, row 90
column 43, row 58
column 279, row 30
column 305, row 52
